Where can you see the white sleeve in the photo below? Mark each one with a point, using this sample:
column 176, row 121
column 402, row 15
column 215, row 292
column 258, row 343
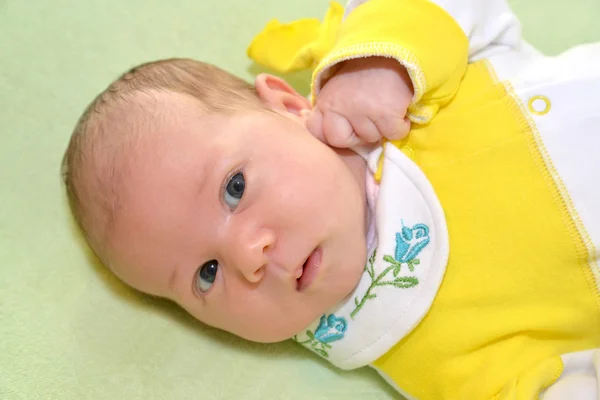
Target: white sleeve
column 490, row 25
column 580, row 379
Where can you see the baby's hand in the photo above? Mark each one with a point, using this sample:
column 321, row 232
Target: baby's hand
column 365, row 101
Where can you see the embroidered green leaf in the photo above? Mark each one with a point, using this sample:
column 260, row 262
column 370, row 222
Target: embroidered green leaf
column 372, row 258
column 326, row 345
column 369, row 267
column 396, row 270
column 411, row 264
column 356, row 301
column 405, row 282
column 369, row 272
column 310, row 335
column 321, row 352
column 389, row 259
column 370, row 296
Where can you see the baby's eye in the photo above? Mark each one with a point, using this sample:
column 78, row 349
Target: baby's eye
column 234, row 190
column 206, row 275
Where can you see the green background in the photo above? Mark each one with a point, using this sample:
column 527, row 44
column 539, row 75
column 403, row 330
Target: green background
column 69, row 330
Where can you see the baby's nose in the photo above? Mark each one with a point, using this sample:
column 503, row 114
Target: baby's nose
column 249, row 253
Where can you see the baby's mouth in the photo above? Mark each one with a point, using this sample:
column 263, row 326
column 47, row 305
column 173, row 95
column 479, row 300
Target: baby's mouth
column 309, row 271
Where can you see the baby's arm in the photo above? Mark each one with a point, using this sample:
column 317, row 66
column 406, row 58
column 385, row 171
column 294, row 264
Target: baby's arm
column 429, row 42
column 434, row 40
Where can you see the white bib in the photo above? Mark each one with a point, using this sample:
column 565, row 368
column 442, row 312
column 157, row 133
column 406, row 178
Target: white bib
column 404, row 270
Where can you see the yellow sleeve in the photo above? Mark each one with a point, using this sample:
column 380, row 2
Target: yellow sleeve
column 418, row 33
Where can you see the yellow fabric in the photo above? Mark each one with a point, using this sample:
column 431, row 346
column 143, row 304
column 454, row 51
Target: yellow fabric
column 297, row 45
column 530, row 383
column 516, row 295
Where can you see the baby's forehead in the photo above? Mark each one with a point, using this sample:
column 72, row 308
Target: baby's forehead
column 174, row 128
column 154, row 106
column 146, row 117
column 124, row 136
column 162, row 127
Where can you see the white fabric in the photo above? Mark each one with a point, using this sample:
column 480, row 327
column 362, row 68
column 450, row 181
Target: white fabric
column 580, row 378
column 566, row 89
column 410, row 226
column 560, row 97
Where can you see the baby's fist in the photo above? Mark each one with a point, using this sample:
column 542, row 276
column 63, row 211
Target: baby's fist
column 366, row 100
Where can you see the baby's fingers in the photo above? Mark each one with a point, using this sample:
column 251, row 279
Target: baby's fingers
column 394, row 128
column 366, row 130
column 314, row 124
column 332, row 128
column 338, row 131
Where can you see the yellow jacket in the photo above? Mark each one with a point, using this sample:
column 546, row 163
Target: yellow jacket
column 510, row 141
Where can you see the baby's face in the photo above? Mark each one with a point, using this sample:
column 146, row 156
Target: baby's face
column 247, row 221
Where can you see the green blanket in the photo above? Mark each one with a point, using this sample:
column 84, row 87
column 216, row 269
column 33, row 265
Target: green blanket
column 68, row 329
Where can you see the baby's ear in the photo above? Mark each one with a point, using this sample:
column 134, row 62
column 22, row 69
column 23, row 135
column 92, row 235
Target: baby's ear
column 279, row 96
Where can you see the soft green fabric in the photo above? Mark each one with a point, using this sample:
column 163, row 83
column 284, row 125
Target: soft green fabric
column 68, row 329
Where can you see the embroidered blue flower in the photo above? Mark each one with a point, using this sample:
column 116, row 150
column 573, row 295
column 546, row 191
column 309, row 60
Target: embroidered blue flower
column 410, row 242
column 331, row 328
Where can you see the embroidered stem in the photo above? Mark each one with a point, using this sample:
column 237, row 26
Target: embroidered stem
column 402, row 282
column 368, row 294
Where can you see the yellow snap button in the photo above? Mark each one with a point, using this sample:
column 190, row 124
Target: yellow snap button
column 539, row 105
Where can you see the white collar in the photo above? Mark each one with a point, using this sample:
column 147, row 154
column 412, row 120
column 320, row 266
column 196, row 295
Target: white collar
column 404, row 270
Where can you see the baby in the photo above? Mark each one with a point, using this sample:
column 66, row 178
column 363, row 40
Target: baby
column 268, row 218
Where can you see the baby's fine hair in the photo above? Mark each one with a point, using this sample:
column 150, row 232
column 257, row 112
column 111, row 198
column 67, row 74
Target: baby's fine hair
column 92, row 163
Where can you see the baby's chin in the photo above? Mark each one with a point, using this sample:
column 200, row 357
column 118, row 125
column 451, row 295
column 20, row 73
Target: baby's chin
column 268, row 333
column 268, row 338
column 275, row 328
column 287, row 329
